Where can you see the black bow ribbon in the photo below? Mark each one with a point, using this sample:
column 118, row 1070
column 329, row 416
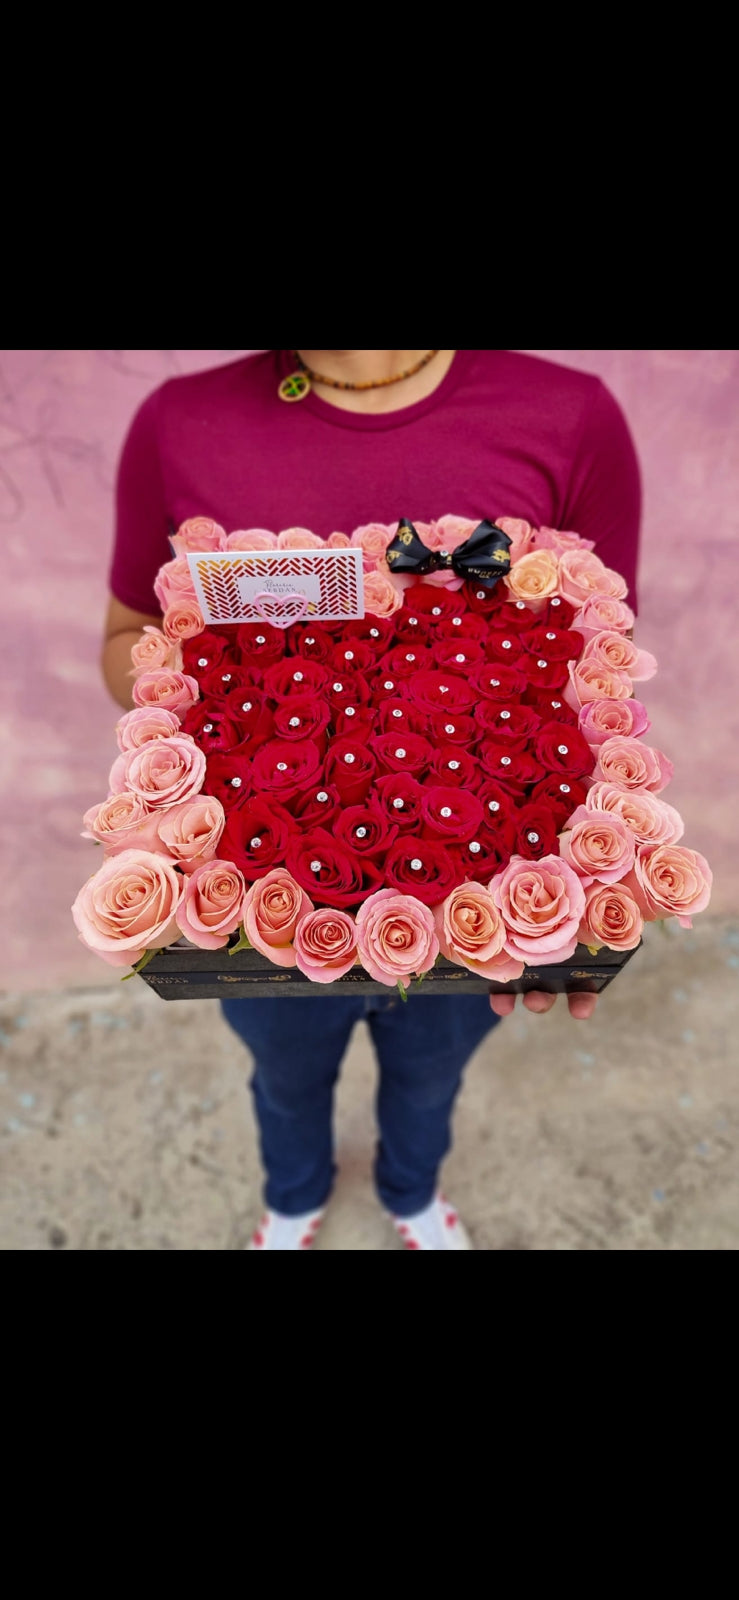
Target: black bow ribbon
column 484, row 556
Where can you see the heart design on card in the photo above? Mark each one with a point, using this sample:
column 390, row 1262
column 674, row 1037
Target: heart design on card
column 281, row 610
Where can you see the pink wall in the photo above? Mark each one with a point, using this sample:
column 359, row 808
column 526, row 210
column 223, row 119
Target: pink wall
column 63, row 414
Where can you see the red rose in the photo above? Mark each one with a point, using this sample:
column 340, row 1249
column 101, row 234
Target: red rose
column 559, row 612
column 504, row 645
column 347, row 689
column 313, row 643
column 260, row 644
column 536, row 831
column 356, row 722
column 402, row 752
column 210, row 725
column 466, row 626
column 563, row 750
column 483, row 599
column 248, row 708
column 396, row 716
column 514, row 615
column 498, row 682
column 458, row 655
column 406, row 659
column 456, row 728
column 302, row 717
column 544, row 673
column 562, row 795
column 556, row 644
column 439, row 691
column 550, row 706
column 255, row 836
column 400, row 797
column 366, row 829
column 282, row 769
column 411, row 627
column 379, row 632
column 207, row 650
column 512, row 724
column 499, row 804
column 424, row 599
column 455, row 767
column 450, row 814
column 421, row 867
column 331, row 873
column 352, row 655
column 351, row 765
column 384, row 687
column 218, row 682
column 317, row 807
column 229, row 778
column 295, row 675
column 514, row 768
column 480, row 858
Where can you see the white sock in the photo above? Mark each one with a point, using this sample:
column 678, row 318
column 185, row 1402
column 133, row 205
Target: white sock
column 436, row 1228
column 276, row 1232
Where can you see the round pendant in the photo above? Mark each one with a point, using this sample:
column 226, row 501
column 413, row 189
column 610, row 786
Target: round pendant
column 294, row 387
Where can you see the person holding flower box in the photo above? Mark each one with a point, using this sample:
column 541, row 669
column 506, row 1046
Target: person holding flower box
column 321, row 437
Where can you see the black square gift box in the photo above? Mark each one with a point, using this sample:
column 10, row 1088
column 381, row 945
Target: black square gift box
column 183, row 972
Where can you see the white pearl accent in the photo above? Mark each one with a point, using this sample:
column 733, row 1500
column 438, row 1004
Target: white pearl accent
column 413, row 622
column 261, row 639
column 388, row 684
column 453, row 765
column 294, row 722
column 493, row 805
column 350, row 711
column 410, row 657
column 533, row 838
column 556, row 602
column 349, row 758
column 551, row 636
column 397, row 713
column 562, row 749
column 460, row 658
column 207, row 727
column 311, row 640
column 399, row 754
column 506, row 644
column 315, row 866
column 338, row 688
column 202, row 661
column 322, row 795
column 348, row 655
column 255, row 842
column 504, row 716
column 374, row 633
column 480, row 594
column 246, row 706
column 556, row 705
column 436, row 611
column 443, row 688
column 446, row 811
column 444, row 554
column 235, row 783
column 449, row 727
column 475, row 847
column 564, row 788
column 495, row 683
column 416, row 864
column 361, row 833
column 520, row 605
column 541, row 662
column 225, row 677
column 456, row 622
column 505, row 761
column 398, row 805
column 297, row 677
column 282, row 766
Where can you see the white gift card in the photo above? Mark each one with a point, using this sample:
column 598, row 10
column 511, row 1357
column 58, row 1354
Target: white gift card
column 278, row 586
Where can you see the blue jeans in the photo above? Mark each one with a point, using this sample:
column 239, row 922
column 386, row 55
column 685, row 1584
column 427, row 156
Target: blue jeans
column 422, row 1046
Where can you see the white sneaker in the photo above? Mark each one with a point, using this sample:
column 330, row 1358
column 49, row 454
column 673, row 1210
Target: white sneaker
column 436, row 1228
column 276, row 1232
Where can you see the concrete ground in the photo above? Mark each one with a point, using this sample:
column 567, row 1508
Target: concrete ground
column 125, row 1122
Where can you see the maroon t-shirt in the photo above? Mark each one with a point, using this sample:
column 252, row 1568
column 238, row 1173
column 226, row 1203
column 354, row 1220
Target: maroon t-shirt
column 504, row 434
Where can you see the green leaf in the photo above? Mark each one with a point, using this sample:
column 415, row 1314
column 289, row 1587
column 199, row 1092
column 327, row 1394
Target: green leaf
column 242, row 942
column 401, row 991
column 420, row 977
column 139, row 967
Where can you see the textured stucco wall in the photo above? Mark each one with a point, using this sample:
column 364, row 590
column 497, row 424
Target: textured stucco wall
column 63, row 414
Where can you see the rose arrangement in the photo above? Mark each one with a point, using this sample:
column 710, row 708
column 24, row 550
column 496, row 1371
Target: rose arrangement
column 461, row 773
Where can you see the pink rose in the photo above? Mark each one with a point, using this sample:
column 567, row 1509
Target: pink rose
column 211, row 906
column 542, row 904
column 581, row 574
column 129, row 906
column 650, row 819
column 472, row 933
column 598, row 845
column 174, row 582
column 197, row 534
column 612, row 917
column 153, row 650
column 602, row 611
column 380, row 595
column 134, row 728
column 533, row 578
column 325, row 944
column 171, row 691
column 615, row 651
column 183, row 619
column 554, row 539
column 591, row 681
column 396, row 937
column 670, row 881
column 164, row 771
column 272, row 909
column 373, row 539
column 251, row 539
column 338, row 541
column 451, row 532
column 599, row 720
column 632, row 764
column 299, row 539
column 123, row 822
column 190, row 831
column 520, row 533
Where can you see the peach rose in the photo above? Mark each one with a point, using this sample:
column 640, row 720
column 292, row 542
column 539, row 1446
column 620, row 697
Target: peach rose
column 299, row 539
column 164, row 771
column 272, row 909
column 554, row 539
column 211, row 906
column 599, row 720
column 612, row 917
column 451, row 532
column 396, row 937
column 591, row 681
column 598, row 845
column 190, row 830
column 373, row 539
column 615, row 651
column 380, row 595
column 541, row 903
column 171, row 691
column 153, row 650
column 650, row 819
column 135, row 727
column 183, row 619
column 251, row 539
column 338, row 541
column 174, row 582
column 670, row 881
column 520, row 533
column 123, row 822
column 198, row 533
column 602, row 611
column 471, row 932
column 129, row 906
column 632, row 764
column 581, row 574
column 533, row 578
column 325, row 944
